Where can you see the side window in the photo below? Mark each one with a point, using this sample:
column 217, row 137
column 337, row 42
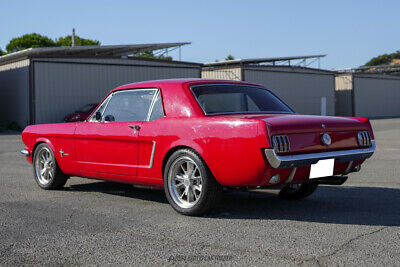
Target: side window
column 99, row 109
column 157, row 109
column 132, row 105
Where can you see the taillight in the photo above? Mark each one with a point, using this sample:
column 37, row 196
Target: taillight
column 364, row 138
column 281, row 143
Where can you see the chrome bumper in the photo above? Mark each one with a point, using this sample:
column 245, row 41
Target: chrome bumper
column 25, row 152
column 291, row 161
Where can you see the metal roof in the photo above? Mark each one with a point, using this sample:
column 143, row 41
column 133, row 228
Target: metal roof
column 258, row 60
column 95, row 50
column 372, row 69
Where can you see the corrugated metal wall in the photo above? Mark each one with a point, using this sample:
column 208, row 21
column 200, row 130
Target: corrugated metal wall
column 64, row 85
column 376, row 96
column 302, row 89
column 234, row 74
column 344, row 97
column 14, row 93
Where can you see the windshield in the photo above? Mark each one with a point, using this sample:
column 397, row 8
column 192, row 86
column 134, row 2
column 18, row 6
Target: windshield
column 216, row 99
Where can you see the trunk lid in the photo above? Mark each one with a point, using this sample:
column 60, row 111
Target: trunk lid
column 295, row 123
column 289, row 124
column 305, row 131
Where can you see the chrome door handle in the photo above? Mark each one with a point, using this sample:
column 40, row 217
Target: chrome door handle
column 134, row 127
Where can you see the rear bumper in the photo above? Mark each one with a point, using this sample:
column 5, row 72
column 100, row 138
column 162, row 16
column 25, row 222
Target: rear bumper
column 291, row 161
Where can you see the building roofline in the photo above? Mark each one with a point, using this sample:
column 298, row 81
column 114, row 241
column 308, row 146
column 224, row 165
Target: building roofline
column 258, row 60
column 115, row 57
column 262, row 67
column 85, row 51
column 289, row 67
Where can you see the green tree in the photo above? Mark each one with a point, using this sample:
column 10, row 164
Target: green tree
column 384, row 59
column 67, row 41
column 229, row 57
column 149, row 54
column 2, row 52
column 28, row 41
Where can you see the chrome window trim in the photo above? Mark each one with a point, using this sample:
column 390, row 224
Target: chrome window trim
column 151, row 109
column 242, row 112
column 290, row 161
column 105, row 103
column 151, row 106
column 108, row 99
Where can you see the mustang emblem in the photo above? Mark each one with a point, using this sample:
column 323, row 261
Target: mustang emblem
column 62, row 153
column 326, row 139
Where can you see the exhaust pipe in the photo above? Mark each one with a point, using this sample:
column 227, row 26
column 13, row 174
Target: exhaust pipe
column 331, row 180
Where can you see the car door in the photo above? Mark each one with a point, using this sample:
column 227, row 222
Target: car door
column 110, row 145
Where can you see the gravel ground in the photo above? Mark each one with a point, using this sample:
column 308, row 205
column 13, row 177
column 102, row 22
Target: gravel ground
column 91, row 222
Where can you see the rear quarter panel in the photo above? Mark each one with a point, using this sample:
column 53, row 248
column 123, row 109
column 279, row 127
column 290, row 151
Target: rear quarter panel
column 230, row 147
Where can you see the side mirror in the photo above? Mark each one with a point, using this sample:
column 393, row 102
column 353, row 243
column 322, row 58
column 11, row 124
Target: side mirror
column 98, row 116
column 109, row 118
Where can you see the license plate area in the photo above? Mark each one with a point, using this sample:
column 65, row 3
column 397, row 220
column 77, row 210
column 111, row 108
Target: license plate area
column 322, row 168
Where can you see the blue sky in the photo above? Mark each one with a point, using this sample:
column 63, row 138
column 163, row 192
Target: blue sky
column 349, row 32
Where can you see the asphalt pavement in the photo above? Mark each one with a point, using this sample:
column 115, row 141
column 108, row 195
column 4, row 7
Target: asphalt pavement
column 92, row 222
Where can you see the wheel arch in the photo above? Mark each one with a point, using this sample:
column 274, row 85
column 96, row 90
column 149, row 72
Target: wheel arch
column 171, row 151
column 179, row 147
column 43, row 141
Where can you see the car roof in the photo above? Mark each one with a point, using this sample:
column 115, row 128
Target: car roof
column 178, row 82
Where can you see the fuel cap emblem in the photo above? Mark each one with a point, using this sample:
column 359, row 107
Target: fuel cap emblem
column 326, row 139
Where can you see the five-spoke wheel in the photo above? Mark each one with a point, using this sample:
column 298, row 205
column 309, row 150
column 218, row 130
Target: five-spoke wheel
column 47, row 173
column 185, row 182
column 44, row 166
column 189, row 185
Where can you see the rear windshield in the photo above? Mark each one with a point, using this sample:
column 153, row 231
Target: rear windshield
column 217, row 99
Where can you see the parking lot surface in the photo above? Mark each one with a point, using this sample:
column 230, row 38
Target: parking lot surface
column 92, row 222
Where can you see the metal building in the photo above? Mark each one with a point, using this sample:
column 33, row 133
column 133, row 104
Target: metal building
column 372, row 95
column 42, row 85
column 306, row 90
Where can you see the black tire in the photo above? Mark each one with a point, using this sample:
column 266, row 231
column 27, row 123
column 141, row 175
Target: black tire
column 56, row 178
column 303, row 191
column 211, row 190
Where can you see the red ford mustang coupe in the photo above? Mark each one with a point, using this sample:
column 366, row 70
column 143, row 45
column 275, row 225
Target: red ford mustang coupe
column 195, row 137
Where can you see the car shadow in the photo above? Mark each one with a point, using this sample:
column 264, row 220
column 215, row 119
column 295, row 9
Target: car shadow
column 118, row 189
column 329, row 204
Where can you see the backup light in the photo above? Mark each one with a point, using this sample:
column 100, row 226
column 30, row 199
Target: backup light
column 275, row 179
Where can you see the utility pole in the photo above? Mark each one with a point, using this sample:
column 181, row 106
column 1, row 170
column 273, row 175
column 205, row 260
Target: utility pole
column 73, row 37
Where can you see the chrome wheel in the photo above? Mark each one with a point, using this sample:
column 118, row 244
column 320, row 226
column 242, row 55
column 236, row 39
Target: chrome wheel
column 44, row 166
column 185, row 182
